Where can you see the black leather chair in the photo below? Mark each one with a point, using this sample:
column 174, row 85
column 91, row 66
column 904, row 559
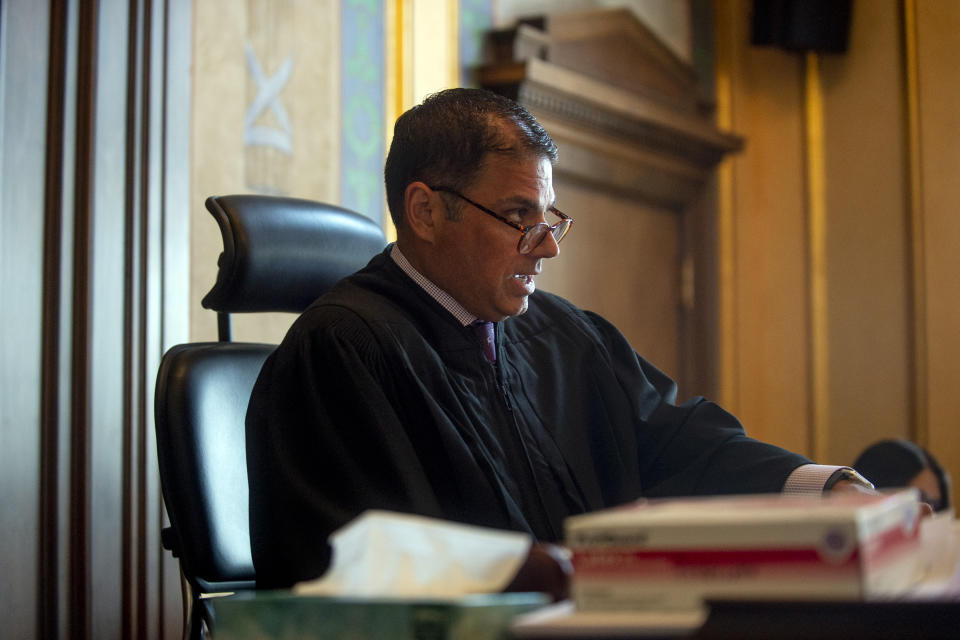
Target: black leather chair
column 279, row 254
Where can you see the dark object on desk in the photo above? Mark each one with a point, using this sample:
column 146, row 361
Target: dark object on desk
column 279, row 254
column 759, row 620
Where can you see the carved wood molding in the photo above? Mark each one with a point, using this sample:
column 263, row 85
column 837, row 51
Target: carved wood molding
column 649, row 142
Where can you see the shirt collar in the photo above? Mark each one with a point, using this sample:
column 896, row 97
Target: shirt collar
column 446, row 301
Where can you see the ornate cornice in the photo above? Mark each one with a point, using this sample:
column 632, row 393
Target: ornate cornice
column 640, row 140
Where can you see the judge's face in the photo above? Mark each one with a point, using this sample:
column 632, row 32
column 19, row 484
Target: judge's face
column 480, row 265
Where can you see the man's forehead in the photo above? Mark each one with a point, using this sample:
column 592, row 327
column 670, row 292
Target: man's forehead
column 527, row 183
column 524, row 163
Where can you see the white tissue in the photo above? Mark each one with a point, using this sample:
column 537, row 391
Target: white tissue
column 382, row 553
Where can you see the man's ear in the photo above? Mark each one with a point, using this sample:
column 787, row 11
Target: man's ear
column 421, row 211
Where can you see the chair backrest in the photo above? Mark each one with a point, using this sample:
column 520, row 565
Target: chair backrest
column 279, row 255
column 202, row 394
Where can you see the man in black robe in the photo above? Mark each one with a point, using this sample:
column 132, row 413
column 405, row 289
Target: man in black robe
column 386, row 394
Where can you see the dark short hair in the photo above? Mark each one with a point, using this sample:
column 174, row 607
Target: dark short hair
column 445, row 139
column 894, row 462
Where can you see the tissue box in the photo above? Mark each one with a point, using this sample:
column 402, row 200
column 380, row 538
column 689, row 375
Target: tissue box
column 674, row 554
column 282, row 615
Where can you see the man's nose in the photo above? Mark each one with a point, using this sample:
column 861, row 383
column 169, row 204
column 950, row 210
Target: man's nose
column 548, row 247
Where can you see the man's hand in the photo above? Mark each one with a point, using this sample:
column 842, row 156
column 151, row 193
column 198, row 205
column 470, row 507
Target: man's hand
column 547, row 569
column 849, row 486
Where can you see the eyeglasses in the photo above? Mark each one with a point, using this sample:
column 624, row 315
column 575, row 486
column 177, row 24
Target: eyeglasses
column 531, row 236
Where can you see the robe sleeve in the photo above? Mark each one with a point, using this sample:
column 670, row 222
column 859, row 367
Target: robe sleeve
column 693, row 448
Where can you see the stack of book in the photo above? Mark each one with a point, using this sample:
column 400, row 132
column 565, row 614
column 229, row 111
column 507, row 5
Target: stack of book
column 676, row 554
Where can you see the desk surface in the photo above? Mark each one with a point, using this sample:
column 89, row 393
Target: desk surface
column 751, row 620
column 930, row 610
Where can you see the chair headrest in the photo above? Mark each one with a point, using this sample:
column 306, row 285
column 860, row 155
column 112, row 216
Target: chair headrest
column 280, row 254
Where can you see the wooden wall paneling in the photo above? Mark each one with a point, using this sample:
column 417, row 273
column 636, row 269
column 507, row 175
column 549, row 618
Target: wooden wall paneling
column 725, row 24
column 24, row 33
column 814, row 142
column 622, row 265
column 937, row 40
column 918, row 289
column 89, row 164
column 766, row 252
column 163, row 279
column 111, row 263
column 168, row 301
column 132, row 224
column 889, row 133
column 867, row 235
column 140, row 214
column 57, row 322
column 698, row 292
column 82, row 155
column 157, row 210
column 623, row 262
column 53, row 222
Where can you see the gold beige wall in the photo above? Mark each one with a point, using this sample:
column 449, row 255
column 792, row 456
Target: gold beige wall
column 304, row 36
column 297, row 48
column 838, row 301
column 935, row 32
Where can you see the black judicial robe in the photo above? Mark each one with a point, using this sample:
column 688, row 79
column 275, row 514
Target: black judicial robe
column 378, row 398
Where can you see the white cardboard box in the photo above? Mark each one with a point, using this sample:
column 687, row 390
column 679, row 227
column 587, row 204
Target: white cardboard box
column 674, row 554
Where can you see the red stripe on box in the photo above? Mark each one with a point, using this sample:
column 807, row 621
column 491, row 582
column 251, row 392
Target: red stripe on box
column 627, row 560
column 617, row 560
column 879, row 545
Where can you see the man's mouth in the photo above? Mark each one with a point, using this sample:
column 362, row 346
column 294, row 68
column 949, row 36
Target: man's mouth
column 525, row 283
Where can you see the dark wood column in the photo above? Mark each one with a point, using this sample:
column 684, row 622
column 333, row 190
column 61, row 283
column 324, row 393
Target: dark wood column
column 93, row 204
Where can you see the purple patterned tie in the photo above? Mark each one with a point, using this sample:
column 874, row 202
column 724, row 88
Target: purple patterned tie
column 484, row 331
